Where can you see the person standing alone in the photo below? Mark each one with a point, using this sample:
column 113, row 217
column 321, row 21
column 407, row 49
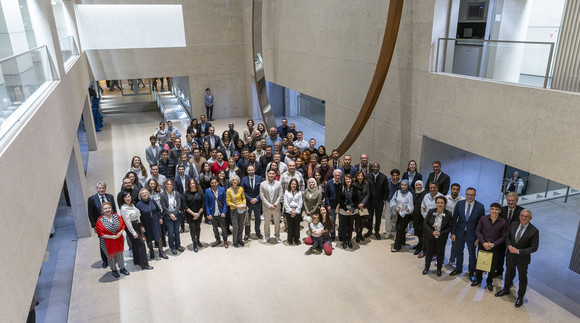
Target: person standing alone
column 209, row 101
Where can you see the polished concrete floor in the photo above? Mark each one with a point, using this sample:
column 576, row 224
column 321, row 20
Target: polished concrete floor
column 268, row 282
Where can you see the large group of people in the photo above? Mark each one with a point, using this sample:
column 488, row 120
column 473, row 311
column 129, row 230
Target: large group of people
column 256, row 178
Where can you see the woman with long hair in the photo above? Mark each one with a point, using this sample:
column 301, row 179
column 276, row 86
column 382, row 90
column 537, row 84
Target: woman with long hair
column 249, row 131
column 206, row 150
column 232, row 169
column 110, row 228
column 412, row 175
column 138, row 168
column 131, row 215
column 360, row 182
column 347, row 209
column 402, row 205
column 171, row 204
column 239, row 146
column 312, row 200
column 134, row 180
column 274, row 167
column 192, row 129
column 205, row 176
column 151, row 219
column 321, row 152
column 293, row 211
column 262, row 130
column 193, row 200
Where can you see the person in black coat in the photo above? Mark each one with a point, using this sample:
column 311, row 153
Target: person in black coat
column 418, row 219
column 192, row 208
column 412, row 175
column 510, row 213
column 348, row 209
column 522, row 240
column 151, row 219
column 94, row 209
column 443, row 181
column 437, row 226
column 379, row 189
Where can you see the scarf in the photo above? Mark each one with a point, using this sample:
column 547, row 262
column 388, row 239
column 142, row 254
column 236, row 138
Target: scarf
column 407, row 190
column 422, row 187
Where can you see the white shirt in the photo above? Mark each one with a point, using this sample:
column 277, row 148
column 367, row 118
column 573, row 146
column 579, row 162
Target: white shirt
column 405, row 200
column 282, row 167
column 451, row 202
column 301, row 144
column 429, row 203
column 216, row 211
column 292, row 201
column 467, row 204
column 271, row 189
column 130, row 214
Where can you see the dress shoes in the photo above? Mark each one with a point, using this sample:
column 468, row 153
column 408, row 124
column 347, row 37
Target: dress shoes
column 368, row 234
column 357, row 239
column 378, row 236
column 124, row 272
column 105, row 264
column 455, row 272
column 195, row 248
column 425, row 271
column 199, row 245
column 236, row 245
column 475, row 283
column 216, row 243
column 174, row 251
column 417, row 252
column 362, row 238
column 163, row 255
column 278, row 240
column 115, row 274
column 147, row 268
column 519, row 302
column 421, row 255
column 181, row 249
column 438, row 272
column 395, row 250
column 344, row 245
column 259, row 236
column 350, row 244
column 297, row 242
column 290, row 242
column 414, row 247
column 490, row 287
column 241, row 243
column 502, row 292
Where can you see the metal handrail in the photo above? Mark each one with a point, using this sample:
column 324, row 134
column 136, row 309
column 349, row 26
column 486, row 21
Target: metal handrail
column 23, row 53
column 484, row 41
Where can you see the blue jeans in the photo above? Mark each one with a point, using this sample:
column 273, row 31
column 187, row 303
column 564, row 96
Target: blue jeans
column 255, row 209
column 173, row 231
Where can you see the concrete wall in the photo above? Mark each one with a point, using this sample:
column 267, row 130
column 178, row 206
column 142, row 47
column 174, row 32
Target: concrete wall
column 33, row 165
column 214, row 55
column 465, row 168
column 329, row 49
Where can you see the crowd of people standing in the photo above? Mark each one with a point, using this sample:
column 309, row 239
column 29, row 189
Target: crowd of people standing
column 239, row 182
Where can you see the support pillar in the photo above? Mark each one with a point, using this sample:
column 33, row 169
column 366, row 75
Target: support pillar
column 77, row 188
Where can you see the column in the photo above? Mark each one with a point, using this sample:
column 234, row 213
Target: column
column 89, row 123
column 567, row 65
column 77, row 188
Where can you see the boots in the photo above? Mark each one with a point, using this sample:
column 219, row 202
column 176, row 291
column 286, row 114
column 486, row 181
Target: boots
column 151, row 250
column 161, row 253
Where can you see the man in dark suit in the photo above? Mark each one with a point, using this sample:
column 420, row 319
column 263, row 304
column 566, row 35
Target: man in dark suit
column 203, row 126
column 94, row 207
column 379, row 189
column 465, row 218
column 127, row 187
column 175, row 152
column 335, row 160
column 440, row 178
column 522, row 240
column 510, row 213
column 251, row 185
column 181, row 179
column 216, row 207
column 214, row 141
column 253, row 162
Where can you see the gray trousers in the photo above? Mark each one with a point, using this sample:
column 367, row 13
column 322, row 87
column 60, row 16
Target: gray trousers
column 237, row 225
column 219, row 222
column 268, row 214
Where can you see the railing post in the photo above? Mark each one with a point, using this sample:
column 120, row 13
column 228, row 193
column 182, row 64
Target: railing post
column 547, row 187
column 567, row 193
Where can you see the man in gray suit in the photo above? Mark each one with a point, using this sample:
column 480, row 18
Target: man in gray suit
column 271, row 194
column 153, row 152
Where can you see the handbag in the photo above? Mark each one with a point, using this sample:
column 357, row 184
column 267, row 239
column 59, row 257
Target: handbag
column 364, row 212
column 484, row 259
column 308, row 241
column 240, row 211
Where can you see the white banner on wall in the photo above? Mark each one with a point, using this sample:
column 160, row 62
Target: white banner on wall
column 130, row 26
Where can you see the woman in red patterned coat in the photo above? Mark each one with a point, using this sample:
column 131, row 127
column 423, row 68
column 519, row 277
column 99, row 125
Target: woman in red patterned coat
column 110, row 227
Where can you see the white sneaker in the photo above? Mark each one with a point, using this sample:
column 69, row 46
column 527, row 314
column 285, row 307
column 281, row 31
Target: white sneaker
column 278, row 240
column 265, row 240
column 262, row 217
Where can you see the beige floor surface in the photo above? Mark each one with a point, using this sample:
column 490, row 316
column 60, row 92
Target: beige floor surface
column 260, row 283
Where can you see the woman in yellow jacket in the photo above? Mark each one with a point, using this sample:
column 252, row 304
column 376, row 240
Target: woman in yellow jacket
column 237, row 202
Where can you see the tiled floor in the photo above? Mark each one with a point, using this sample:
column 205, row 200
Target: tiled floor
column 285, row 283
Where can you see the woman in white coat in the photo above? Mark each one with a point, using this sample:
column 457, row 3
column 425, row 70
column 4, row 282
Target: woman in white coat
column 402, row 206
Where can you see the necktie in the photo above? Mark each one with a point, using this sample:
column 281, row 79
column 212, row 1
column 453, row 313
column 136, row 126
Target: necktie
column 252, row 182
column 103, row 200
column 510, row 216
column 436, row 177
column 519, row 235
column 468, row 211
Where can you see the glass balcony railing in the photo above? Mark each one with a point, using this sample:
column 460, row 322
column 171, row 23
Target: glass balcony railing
column 22, row 78
column 521, row 62
column 68, row 49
